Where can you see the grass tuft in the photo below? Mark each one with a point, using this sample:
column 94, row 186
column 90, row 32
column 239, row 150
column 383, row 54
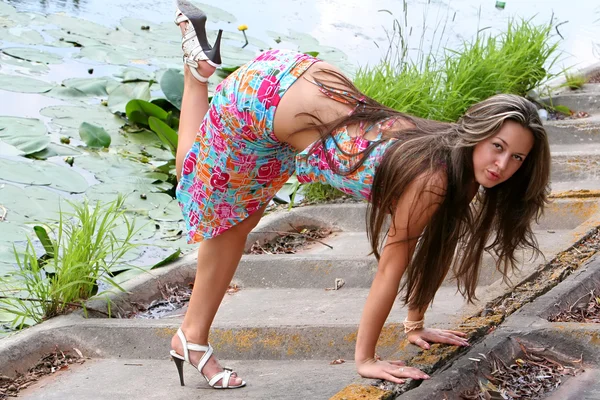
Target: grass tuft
column 81, row 247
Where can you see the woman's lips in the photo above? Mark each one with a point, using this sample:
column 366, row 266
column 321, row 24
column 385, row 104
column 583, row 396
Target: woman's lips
column 492, row 176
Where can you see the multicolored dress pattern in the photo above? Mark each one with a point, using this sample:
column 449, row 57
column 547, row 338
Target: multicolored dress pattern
column 236, row 164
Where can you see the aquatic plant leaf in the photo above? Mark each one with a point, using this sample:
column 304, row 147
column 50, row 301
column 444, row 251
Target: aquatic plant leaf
column 215, row 14
column 118, row 98
column 26, row 134
column 91, row 86
column 132, row 74
column 173, row 257
column 138, row 111
column 171, row 212
column 12, row 232
column 143, row 203
column 171, row 84
column 21, row 35
column 54, row 150
column 23, row 84
column 34, row 68
column 80, row 27
column 166, row 134
column 7, row 10
column 73, row 116
column 104, row 54
column 42, row 235
column 70, row 39
column 33, row 55
column 42, row 173
column 94, row 136
column 65, row 93
column 7, row 150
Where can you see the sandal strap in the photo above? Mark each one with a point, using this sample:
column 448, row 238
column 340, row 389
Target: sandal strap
column 180, row 17
column 224, row 376
column 193, row 65
column 208, row 351
column 191, row 346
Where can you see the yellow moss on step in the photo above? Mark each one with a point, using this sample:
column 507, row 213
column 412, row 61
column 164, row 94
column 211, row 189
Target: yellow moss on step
column 362, row 392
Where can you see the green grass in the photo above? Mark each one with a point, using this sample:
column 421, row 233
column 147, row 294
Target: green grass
column 442, row 88
column 81, row 248
column 320, row 192
column 574, row 81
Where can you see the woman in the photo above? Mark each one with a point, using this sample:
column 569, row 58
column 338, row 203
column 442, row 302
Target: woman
column 286, row 112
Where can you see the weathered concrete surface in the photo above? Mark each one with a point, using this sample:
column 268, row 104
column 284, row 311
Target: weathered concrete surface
column 158, row 379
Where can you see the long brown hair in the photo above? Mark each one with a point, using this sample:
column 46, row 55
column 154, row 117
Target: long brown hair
column 460, row 230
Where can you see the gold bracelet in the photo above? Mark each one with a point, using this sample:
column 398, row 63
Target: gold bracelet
column 410, row 326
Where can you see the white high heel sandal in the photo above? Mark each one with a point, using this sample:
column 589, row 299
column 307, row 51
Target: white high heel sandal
column 224, row 375
column 194, row 42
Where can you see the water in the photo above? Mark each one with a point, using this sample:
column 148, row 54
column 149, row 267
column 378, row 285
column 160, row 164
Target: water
column 358, row 27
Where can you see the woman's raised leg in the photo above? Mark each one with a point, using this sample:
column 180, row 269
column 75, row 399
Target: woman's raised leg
column 217, row 257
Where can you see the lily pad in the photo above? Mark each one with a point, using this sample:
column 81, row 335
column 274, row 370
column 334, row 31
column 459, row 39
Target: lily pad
column 132, row 74
column 94, row 136
column 7, row 150
column 70, row 39
column 21, row 35
column 171, row 84
column 73, row 116
column 33, row 55
column 54, row 150
column 42, row 173
column 215, row 14
column 65, row 93
column 145, row 202
column 78, row 26
column 104, row 54
column 23, row 84
column 118, row 99
column 35, row 68
column 26, row 134
column 33, row 203
column 7, row 9
column 171, row 212
column 11, row 232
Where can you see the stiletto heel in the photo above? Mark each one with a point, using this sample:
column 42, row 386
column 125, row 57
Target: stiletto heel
column 214, row 55
column 223, row 376
column 179, row 364
column 195, row 43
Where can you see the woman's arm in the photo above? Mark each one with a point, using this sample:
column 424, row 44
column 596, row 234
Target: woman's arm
column 413, row 212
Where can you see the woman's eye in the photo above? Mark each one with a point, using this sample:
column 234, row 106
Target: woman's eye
column 498, row 146
column 518, row 158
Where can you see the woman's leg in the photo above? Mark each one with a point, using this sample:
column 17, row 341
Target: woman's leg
column 218, row 257
column 194, row 106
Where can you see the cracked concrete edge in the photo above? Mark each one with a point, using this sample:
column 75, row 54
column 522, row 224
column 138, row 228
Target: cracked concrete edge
column 531, row 326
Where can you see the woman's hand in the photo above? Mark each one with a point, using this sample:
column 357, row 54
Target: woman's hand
column 392, row 371
column 422, row 337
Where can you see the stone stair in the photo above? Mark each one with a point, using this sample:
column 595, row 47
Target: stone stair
column 286, row 325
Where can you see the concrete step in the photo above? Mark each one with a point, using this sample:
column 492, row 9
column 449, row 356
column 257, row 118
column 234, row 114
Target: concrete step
column 585, row 99
column 158, row 379
column 574, row 131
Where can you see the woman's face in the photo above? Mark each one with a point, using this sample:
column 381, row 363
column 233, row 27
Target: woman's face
column 496, row 159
